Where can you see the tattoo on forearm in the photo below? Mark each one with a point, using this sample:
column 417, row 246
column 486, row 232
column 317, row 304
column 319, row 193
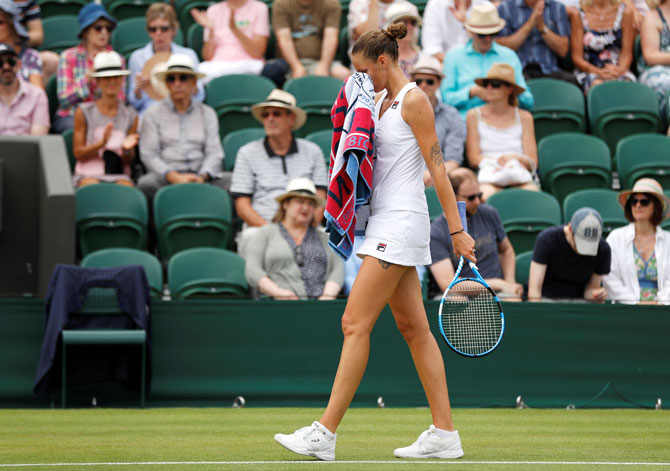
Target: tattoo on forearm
column 384, row 265
column 436, row 154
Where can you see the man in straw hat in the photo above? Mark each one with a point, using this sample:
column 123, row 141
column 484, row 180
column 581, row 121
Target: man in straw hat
column 462, row 65
column 180, row 136
column 263, row 168
column 539, row 32
column 449, row 126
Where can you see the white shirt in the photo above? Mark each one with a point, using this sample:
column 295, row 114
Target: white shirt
column 441, row 30
column 621, row 283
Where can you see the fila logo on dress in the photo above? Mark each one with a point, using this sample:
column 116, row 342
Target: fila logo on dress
column 381, row 247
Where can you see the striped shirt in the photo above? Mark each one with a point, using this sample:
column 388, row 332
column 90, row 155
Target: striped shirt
column 534, row 50
column 451, row 132
column 262, row 175
column 187, row 142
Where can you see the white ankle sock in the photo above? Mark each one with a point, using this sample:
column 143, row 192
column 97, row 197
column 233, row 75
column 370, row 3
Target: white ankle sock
column 330, row 435
column 445, row 433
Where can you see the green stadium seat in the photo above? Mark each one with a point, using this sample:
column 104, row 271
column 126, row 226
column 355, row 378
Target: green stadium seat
column 571, row 161
column 316, row 96
column 131, row 34
column 605, row 202
column 60, row 33
column 643, row 155
column 51, row 90
column 342, row 54
column 124, row 9
column 236, row 139
column 110, row 215
column 559, row 107
column 525, row 214
column 67, row 138
column 194, row 39
column 434, row 207
column 117, row 257
column 620, row 109
column 523, row 266
column 49, row 8
column 323, row 139
column 207, row 272
column 192, row 215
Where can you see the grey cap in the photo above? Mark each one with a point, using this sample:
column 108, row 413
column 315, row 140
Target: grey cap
column 7, row 49
column 587, row 228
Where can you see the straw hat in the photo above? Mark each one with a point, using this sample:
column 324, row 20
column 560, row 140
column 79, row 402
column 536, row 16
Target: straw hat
column 401, row 10
column 280, row 99
column 427, row 65
column 179, row 64
column 484, row 19
column 156, row 89
column 650, row 187
column 108, row 64
column 504, row 72
column 303, row 188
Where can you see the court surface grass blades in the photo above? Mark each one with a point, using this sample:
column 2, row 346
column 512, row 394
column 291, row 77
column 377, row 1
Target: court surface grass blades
column 242, row 439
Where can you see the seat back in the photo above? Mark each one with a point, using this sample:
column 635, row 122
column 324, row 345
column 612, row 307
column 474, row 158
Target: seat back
column 67, row 138
column 236, row 139
column 125, row 9
column 620, row 109
column 525, row 214
column 206, row 272
column 434, row 207
column 523, row 266
column 316, row 96
column 49, row 8
column 194, row 39
column 323, row 139
column 558, row 107
column 110, row 215
column 643, row 155
column 60, row 33
column 184, row 8
column 604, row 201
column 117, row 257
column 571, row 161
column 192, row 215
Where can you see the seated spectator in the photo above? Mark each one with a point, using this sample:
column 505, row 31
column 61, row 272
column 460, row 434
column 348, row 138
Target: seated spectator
column 602, row 42
column 639, row 272
column 408, row 47
column 654, row 64
column 235, row 37
column 569, row 261
column 448, row 123
column 443, row 28
column 364, row 16
column 290, row 258
column 496, row 259
column 24, row 108
column 162, row 26
column 463, row 64
column 263, row 168
column 539, row 32
column 180, row 136
column 74, row 84
column 501, row 137
column 105, row 130
column 308, row 35
column 15, row 35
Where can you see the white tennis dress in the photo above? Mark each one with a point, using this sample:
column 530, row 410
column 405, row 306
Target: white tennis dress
column 398, row 230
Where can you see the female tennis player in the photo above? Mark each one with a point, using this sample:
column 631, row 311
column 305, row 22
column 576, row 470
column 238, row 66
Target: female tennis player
column 396, row 241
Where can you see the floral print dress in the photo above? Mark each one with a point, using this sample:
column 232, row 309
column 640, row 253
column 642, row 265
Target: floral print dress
column 647, row 275
column 657, row 77
column 602, row 47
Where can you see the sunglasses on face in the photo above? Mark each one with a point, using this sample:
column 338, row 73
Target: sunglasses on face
column 10, row 60
column 484, row 36
column 162, row 29
column 409, row 22
column 644, row 202
column 472, row 197
column 495, row 83
column 99, row 28
column 298, row 256
column 180, row 78
column 427, row 81
column 274, row 113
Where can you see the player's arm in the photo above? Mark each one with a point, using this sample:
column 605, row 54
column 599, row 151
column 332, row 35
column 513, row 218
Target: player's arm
column 535, row 281
column 418, row 113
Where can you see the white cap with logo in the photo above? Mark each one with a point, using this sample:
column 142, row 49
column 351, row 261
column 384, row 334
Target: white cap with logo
column 587, row 228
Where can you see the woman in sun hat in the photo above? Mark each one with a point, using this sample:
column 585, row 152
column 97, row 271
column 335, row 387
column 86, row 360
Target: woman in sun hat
column 289, row 259
column 501, row 137
column 75, row 84
column 640, row 269
column 105, row 130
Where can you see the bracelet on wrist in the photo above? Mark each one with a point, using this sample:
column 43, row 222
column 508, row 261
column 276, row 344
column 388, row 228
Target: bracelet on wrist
column 454, row 233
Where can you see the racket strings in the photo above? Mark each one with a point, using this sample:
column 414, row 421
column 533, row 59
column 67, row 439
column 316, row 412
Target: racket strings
column 471, row 319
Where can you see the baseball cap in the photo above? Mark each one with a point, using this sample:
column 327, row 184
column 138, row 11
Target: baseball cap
column 587, row 227
column 7, row 49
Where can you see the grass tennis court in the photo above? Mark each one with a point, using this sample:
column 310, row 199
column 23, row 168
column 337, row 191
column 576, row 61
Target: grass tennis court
column 225, row 439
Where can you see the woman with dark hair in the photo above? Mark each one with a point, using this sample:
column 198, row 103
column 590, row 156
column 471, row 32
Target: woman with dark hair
column 14, row 34
column 640, row 272
column 396, row 241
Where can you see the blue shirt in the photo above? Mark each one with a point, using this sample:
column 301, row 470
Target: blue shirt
column 534, row 50
column 136, row 64
column 462, row 65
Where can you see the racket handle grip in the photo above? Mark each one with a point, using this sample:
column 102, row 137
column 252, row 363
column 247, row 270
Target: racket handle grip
column 461, row 213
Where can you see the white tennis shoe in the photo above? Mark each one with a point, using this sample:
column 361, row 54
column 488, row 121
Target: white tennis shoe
column 310, row 441
column 431, row 445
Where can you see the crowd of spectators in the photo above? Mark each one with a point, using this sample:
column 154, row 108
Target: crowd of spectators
column 472, row 59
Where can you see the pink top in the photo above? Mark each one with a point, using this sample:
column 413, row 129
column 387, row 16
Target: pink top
column 29, row 107
column 252, row 18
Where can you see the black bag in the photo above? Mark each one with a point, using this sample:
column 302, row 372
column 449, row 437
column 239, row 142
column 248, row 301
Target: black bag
column 113, row 163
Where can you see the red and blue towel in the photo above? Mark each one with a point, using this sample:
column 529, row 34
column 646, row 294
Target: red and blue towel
column 351, row 161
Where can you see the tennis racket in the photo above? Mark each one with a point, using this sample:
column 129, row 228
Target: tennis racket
column 471, row 317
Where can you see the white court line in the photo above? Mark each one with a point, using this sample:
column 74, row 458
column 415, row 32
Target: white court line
column 441, row 462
